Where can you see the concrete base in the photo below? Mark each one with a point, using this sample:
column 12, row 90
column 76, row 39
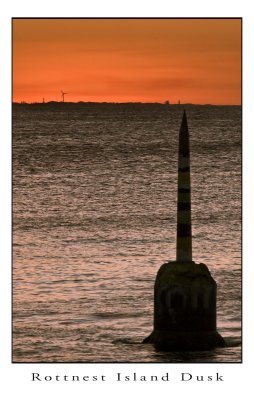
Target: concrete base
column 185, row 308
column 183, row 341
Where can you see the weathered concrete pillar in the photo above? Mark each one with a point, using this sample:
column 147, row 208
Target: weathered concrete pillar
column 184, row 292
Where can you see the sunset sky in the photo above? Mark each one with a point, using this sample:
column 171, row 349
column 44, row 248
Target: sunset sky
column 122, row 60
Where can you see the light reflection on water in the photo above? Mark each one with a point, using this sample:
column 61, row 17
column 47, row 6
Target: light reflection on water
column 94, row 212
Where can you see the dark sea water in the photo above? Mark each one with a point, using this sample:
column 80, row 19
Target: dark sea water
column 94, row 217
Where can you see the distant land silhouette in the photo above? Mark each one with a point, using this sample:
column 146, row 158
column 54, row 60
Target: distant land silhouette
column 66, row 103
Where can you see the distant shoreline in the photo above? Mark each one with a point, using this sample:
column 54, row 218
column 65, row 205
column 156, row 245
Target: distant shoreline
column 60, row 103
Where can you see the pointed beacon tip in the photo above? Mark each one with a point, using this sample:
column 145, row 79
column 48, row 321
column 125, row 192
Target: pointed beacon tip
column 184, row 120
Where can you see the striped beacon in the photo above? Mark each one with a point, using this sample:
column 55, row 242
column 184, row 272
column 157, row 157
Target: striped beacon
column 184, row 291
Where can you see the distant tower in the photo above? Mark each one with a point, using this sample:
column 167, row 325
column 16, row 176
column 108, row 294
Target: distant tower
column 184, row 292
column 179, row 102
column 43, row 100
column 63, row 94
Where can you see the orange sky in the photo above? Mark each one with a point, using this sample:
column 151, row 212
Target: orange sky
column 121, row 60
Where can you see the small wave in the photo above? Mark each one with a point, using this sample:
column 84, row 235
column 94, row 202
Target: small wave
column 109, row 315
column 125, row 341
column 232, row 342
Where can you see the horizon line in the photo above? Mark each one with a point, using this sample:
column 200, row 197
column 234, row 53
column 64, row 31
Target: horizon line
column 119, row 102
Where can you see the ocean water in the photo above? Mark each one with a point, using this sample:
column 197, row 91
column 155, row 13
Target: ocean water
column 94, row 217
